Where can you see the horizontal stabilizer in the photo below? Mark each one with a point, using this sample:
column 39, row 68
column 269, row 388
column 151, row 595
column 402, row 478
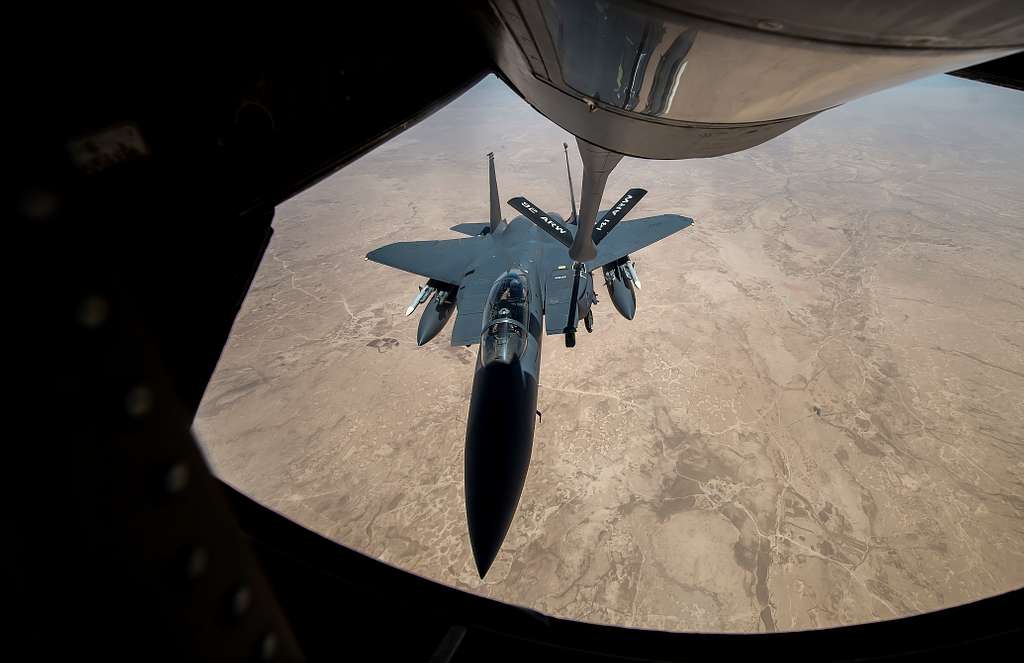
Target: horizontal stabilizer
column 542, row 220
column 471, row 229
column 619, row 210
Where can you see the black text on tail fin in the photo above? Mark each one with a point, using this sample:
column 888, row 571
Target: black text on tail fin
column 612, row 217
column 542, row 220
column 572, row 195
column 497, row 223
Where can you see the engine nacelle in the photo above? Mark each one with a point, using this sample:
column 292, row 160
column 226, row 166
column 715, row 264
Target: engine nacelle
column 620, row 277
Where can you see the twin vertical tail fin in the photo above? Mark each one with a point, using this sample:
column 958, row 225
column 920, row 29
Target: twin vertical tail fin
column 497, row 223
column 572, row 194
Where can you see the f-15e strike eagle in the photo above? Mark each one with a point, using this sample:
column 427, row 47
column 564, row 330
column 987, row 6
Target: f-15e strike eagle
column 511, row 282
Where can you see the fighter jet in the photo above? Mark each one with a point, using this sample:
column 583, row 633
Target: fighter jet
column 513, row 282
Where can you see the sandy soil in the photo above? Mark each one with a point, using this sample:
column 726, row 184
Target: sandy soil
column 816, row 418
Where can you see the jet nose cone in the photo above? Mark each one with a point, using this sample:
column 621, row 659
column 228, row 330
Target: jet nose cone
column 485, row 537
column 499, row 439
column 496, row 467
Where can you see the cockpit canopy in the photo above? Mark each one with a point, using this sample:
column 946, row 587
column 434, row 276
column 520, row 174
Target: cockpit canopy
column 504, row 335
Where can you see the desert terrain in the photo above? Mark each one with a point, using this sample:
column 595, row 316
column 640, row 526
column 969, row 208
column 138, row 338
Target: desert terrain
column 816, row 418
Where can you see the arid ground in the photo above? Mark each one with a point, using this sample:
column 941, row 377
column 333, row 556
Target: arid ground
column 816, row 418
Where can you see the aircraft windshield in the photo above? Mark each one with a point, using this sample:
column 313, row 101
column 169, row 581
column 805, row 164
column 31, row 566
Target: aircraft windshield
column 504, row 335
column 508, row 298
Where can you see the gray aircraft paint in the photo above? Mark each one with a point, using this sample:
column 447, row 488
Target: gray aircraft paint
column 501, row 418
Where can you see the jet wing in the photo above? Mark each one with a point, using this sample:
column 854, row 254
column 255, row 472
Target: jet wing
column 444, row 260
column 631, row 236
